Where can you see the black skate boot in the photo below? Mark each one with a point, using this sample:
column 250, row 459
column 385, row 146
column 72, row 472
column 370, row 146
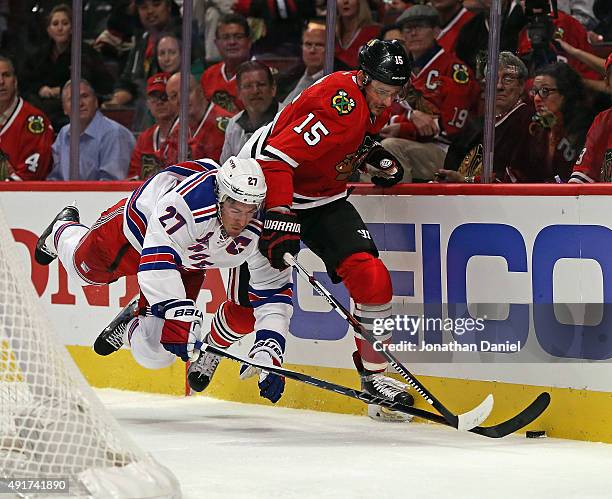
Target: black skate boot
column 382, row 386
column 200, row 372
column 44, row 254
column 112, row 338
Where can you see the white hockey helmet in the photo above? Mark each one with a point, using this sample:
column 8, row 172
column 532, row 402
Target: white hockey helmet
column 242, row 180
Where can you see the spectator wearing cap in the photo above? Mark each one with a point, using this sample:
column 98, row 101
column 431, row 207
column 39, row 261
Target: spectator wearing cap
column 257, row 90
column 444, row 96
column 105, row 146
column 595, row 161
column 453, row 16
column 146, row 159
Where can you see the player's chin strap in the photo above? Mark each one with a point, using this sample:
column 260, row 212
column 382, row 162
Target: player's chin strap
column 464, row 421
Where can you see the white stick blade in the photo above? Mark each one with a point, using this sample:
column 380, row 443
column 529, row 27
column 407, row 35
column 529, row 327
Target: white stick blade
column 476, row 416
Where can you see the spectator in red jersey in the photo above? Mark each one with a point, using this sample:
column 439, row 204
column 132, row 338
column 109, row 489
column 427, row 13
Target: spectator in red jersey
column 444, row 95
column 453, row 16
column 354, row 28
column 561, row 122
column 595, row 161
column 234, row 43
column 207, row 123
column 26, row 135
column 146, row 158
column 465, row 157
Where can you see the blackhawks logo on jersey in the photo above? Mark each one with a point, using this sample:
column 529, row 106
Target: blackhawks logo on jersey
column 606, row 168
column 225, row 100
column 461, row 74
column 342, row 103
column 222, row 122
column 36, row 124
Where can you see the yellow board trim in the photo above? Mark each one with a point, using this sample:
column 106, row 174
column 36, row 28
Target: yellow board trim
column 574, row 414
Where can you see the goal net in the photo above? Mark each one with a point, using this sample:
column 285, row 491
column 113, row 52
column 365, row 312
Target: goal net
column 52, row 425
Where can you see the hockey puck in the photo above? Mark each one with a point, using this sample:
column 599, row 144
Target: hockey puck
column 535, row 434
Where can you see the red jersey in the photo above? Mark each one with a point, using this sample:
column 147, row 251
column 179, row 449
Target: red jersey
column 313, row 146
column 349, row 53
column 147, row 158
column 574, row 33
column 25, row 144
column 220, row 89
column 449, row 33
column 595, row 161
column 206, row 141
column 446, row 88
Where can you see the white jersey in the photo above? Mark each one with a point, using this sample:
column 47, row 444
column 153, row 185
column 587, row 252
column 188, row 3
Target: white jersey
column 182, row 230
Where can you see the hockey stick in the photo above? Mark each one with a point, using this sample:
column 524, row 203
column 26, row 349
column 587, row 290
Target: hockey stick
column 463, row 421
column 526, row 416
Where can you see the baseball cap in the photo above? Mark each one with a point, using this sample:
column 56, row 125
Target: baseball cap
column 157, row 83
column 419, row 13
column 608, row 62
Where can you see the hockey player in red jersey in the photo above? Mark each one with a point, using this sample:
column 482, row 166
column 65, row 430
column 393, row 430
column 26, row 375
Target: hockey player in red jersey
column 308, row 153
column 26, row 135
column 595, row 161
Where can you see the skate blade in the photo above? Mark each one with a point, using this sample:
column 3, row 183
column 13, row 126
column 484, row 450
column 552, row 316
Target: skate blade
column 384, row 415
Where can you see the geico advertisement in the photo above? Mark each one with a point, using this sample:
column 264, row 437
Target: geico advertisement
column 490, row 287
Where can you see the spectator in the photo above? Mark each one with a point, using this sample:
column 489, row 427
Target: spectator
column 567, row 29
column 603, row 11
column 168, row 53
column 473, row 38
column 48, row 69
column 581, row 10
column 105, row 145
column 444, row 95
column 146, row 158
column 465, row 159
column 453, row 16
column 561, row 122
column 354, row 28
column 596, row 64
column 25, row 132
column 257, row 90
column 595, row 161
column 313, row 60
column 393, row 10
column 234, row 44
column 207, row 123
column 156, row 18
column 392, row 32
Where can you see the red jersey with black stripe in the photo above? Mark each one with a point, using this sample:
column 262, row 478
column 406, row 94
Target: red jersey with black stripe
column 595, row 161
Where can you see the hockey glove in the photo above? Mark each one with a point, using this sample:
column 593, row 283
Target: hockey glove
column 181, row 329
column 280, row 235
column 269, row 348
column 384, row 169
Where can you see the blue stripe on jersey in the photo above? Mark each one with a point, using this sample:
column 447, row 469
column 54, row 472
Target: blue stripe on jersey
column 275, row 299
column 254, row 229
column 202, row 195
column 131, row 203
column 209, row 165
column 162, row 249
column 205, row 218
column 156, row 266
column 265, row 293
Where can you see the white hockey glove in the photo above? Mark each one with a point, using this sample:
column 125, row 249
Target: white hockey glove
column 182, row 327
column 268, row 348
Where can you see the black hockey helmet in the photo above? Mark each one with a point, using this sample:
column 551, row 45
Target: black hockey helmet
column 385, row 61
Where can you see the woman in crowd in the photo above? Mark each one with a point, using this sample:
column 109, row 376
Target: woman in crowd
column 354, row 28
column 48, row 69
column 561, row 121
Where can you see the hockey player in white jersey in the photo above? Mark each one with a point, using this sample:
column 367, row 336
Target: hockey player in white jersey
column 187, row 218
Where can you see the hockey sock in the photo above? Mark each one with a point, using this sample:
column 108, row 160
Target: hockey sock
column 230, row 323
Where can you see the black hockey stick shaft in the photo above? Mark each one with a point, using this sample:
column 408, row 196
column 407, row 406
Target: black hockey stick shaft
column 502, row 429
column 371, row 338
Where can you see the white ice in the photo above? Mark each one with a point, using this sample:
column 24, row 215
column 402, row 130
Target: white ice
column 231, row 450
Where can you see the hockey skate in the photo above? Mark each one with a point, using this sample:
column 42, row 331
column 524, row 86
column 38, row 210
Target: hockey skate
column 379, row 385
column 200, row 372
column 44, row 254
column 114, row 336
